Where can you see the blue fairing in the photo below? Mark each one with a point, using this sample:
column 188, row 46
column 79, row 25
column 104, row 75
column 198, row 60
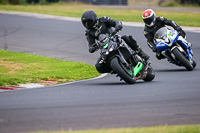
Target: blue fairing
column 182, row 43
column 186, row 48
column 167, row 40
column 173, row 32
column 161, row 46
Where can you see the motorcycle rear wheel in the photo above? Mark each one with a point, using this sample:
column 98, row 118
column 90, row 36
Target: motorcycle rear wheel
column 119, row 69
column 150, row 74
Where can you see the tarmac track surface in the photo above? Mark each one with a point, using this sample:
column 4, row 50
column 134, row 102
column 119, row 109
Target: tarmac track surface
column 173, row 98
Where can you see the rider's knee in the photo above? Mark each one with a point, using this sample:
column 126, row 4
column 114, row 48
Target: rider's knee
column 131, row 41
column 159, row 56
column 102, row 68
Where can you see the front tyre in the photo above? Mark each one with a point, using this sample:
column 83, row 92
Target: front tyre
column 118, row 67
column 184, row 61
column 194, row 64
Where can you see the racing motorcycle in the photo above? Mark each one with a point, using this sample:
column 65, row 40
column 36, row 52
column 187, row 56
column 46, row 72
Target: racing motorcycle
column 125, row 62
column 175, row 48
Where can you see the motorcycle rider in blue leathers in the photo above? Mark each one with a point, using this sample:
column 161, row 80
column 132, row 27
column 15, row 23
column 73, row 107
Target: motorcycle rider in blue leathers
column 96, row 26
column 153, row 24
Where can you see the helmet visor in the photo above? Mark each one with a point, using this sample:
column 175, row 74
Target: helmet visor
column 150, row 21
column 87, row 23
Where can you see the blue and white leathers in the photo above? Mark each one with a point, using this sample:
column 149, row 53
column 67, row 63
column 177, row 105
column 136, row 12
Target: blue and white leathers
column 167, row 40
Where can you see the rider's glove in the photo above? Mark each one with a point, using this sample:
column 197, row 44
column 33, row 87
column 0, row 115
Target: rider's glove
column 92, row 49
column 159, row 56
column 179, row 29
column 181, row 32
column 118, row 27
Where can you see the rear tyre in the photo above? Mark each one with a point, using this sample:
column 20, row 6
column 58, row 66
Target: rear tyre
column 184, row 61
column 150, row 74
column 120, row 70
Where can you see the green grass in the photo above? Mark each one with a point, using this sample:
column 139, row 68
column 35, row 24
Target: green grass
column 183, row 18
column 25, row 68
column 158, row 129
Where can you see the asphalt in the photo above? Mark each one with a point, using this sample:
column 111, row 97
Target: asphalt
column 173, row 98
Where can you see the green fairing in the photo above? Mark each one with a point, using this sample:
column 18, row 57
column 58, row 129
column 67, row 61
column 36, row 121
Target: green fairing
column 138, row 68
column 105, row 46
column 107, row 43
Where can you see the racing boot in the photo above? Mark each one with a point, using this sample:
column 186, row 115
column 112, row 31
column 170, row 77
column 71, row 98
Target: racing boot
column 142, row 54
column 145, row 56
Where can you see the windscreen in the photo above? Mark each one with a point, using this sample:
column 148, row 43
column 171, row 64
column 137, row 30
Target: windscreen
column 161, row 33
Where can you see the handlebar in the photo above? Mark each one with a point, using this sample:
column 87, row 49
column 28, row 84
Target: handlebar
column 113, row 33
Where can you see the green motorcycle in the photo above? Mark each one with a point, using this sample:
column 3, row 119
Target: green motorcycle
column 125, row 62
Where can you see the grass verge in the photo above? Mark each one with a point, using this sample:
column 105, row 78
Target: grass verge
column 183, row 18
column 25, row 68
column 158, row 129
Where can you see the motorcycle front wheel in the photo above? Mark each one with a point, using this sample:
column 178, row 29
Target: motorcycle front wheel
column 184, row 61
column 121, row 70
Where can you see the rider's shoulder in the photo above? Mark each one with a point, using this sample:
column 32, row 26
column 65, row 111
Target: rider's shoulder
column 104, row 19
column 160, row 18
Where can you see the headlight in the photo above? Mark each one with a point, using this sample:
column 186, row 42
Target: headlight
column 111, row 49
column 107, row 53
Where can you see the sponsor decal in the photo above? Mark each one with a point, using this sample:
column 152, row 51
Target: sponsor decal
column 98, row 31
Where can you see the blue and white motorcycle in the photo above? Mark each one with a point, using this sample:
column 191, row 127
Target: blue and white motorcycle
column 175, row 48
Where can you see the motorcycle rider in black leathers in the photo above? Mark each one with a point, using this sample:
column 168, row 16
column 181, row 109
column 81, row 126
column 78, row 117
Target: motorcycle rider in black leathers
column 153, row 24
column 95, row 27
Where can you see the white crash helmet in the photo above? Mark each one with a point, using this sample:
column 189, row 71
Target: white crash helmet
column 149, row 17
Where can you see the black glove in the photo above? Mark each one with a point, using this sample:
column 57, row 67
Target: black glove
column 181, row 32
column 92, row 49
column 118, row 27
column 179, row 29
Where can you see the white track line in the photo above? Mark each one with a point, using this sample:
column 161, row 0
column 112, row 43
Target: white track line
column 38, row 85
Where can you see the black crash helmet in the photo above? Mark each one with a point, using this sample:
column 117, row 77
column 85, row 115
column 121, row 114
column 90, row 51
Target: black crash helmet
column 89, row 19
